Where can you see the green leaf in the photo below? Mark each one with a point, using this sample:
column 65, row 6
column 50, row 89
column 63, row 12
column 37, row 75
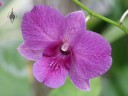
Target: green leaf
column 68, row 89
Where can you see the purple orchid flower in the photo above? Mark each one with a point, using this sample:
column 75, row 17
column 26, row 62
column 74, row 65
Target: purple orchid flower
column 1, row 3
column 62, row 46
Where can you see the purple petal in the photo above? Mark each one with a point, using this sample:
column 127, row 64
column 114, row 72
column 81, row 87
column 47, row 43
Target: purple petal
column 50, row 72
column 41, row 26
column 1, row 3
column 54, row 53
column 79, row 82
column 73, row 25
column 92, row 55
column 52, row 49
column 28, row 53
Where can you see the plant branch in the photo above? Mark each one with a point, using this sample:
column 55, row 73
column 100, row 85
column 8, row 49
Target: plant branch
column 100, row 16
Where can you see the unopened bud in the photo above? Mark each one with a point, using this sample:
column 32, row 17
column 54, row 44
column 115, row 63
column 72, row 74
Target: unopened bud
column 123, row 16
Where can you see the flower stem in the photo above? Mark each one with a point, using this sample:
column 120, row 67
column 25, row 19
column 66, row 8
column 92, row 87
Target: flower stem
column 100, row 16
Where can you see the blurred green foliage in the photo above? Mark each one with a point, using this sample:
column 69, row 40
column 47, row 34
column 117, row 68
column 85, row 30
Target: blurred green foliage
column 70, row 90
column 13, row 73
column 13, row 86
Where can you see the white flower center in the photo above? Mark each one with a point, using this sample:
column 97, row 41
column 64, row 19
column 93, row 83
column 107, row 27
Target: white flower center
column 65, row 47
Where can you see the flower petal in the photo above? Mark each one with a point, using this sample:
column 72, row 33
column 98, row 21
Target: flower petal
column 92, row 55
column 73, row 25
column 79, row 82
column 1, row 3
column 28, row 53
column 52, row 49
column 50, row 75
column 41, row 26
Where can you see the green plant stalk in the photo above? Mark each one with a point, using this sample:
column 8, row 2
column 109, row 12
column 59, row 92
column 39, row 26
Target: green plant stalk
column 119, row 25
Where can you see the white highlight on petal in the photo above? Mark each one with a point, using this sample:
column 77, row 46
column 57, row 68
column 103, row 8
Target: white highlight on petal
column 123, row 16
column 65, row 47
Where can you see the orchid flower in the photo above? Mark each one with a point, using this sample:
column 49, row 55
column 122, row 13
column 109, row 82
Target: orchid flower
column 61, row 46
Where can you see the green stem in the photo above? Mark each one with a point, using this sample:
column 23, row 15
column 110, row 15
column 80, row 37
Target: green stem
column 100, row 16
